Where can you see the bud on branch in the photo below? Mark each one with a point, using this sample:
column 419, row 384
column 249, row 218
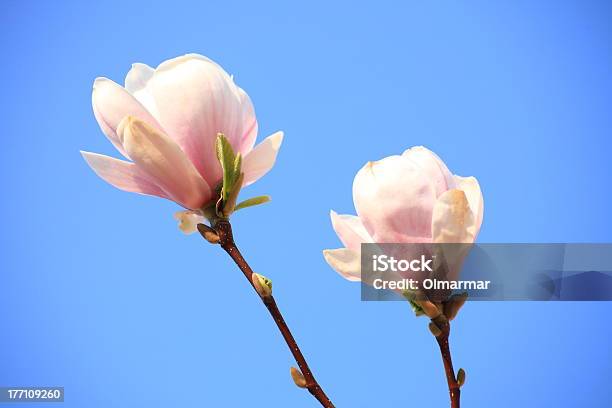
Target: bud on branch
column 461, row 377
column 262, row 285
column 208, row 233
column 298, row 378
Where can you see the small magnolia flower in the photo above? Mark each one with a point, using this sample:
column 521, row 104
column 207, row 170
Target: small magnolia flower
column 166, row 121
column 412, row 198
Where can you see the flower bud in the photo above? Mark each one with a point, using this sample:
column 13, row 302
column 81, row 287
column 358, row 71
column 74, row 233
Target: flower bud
column 461, row 377
column 407, row 199
column 262, row 285
column 208, row 233
column 298, row 378
column 434, row 329
column 430, row 309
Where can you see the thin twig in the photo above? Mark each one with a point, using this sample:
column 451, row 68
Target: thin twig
column 454, row 389
column 224, row 230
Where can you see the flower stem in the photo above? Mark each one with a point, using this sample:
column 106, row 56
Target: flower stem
column 224, row 230
column 453, row 386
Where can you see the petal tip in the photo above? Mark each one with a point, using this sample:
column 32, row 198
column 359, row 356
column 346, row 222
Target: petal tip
column 335, row 217
column 174, row 62
column 345, row 262
column 99, row 81
column 326, row 253
column 413, row 149
column 88, row 156
column 277, row 139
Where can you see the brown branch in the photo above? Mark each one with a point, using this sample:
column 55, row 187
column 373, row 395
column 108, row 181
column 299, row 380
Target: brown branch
column 224, row 230
column 454, row 389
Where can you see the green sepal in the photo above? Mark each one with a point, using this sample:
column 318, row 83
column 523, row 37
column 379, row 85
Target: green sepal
column 416, row 308
column 252, row 202
column 237, row 168
column 229, row 205
column 230, row 164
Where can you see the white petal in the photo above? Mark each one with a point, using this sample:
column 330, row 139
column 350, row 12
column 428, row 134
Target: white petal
column 262, row 158
column 174, row 62
column 123, row 175
column 394, row 199
column 453, row 221
column 433, row 167
column 472, row 191
column 111, row 103
column 138, row 77
column 188, row 220
column 136, row 83
column 345, row 261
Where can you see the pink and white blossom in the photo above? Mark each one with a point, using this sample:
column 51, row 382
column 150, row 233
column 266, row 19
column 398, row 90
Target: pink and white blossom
column 165, row 121
column 412, row 198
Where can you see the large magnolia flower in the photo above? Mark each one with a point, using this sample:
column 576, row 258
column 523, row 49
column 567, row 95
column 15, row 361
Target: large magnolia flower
column 412, row 198
column 166, row 120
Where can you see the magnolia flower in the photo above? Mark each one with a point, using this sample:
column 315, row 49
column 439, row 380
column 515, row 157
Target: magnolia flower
column 165, row 121
column 412, row 198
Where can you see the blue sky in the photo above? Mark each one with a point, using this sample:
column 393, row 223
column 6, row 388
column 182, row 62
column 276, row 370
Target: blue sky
column 100, row 293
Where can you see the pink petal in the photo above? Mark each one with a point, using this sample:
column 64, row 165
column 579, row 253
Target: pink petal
column 432, row 166
column 262, row 158
column 246, row 143
column 394, row 199
column 164, row 161
column 344, row 261
column 111, row 103
column 123, row 175
column 195, row 100
column 350, row 230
